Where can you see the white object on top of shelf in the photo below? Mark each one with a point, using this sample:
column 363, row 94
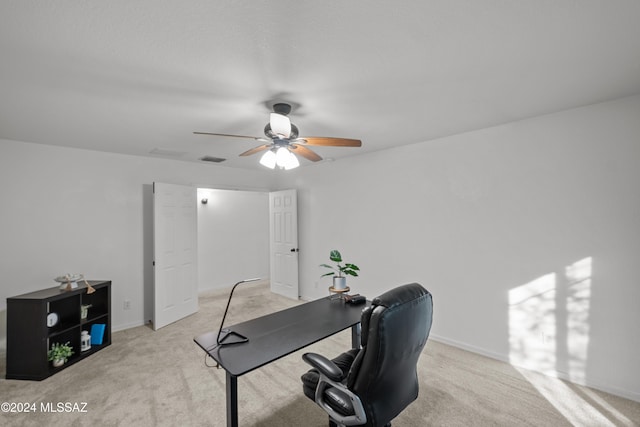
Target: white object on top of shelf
column 69, row 281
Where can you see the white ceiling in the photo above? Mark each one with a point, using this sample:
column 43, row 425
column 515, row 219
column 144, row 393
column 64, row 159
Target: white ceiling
column 131, row 76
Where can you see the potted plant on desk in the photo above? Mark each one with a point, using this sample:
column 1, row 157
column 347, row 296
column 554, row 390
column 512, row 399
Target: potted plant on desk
column 339, row 281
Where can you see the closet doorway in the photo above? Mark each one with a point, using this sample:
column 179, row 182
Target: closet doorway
column 233, row 237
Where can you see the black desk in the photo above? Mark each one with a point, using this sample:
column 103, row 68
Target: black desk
column 276, row 335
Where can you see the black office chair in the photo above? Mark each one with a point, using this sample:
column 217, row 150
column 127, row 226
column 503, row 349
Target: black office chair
column 371, row 385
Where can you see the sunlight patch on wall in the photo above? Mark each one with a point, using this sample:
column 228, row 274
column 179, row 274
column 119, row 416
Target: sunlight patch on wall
column 549, row 333
column 577, row 307
column 549, row 322
column 532, row 324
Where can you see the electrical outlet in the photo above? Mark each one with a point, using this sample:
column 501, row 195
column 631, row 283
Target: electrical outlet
column 546, row 338
column 127, row 304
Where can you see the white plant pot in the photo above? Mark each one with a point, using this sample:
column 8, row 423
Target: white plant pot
column 58, row 362
column 339, row 282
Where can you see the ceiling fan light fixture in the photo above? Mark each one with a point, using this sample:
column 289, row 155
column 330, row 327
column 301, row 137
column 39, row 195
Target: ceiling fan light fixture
column 293, row 162
column 280, row 125
column 268, row 159
column 282, row 144
column 285, row 159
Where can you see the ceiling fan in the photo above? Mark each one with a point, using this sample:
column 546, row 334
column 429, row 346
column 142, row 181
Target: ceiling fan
column 282, row 142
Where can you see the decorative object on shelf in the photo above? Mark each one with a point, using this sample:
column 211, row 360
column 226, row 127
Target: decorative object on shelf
column 97, row 333
column 69, row 281
column 339, row 281
column 60, row 353
column 85, row 341
column 52, row 319
column 90, row 289
column 84, row 310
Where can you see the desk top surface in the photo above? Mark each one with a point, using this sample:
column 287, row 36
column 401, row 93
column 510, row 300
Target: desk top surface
column 278, row 334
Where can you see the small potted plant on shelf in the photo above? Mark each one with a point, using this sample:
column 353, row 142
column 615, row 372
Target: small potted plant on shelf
column 339, row 281
column 60, row 353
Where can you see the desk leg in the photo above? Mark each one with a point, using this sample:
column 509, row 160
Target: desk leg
column 232, row 400
column 355, row 336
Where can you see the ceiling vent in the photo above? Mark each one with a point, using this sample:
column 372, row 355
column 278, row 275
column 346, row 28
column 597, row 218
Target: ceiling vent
column 212, row 159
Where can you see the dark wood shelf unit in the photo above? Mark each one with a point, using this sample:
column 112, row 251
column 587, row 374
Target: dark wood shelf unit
column 29, row 338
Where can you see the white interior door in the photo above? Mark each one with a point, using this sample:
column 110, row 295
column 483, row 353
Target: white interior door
column 175, row 253
column 283, row 231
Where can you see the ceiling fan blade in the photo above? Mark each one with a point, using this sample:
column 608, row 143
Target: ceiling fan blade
column 331, row 142
column 226, row 134
column 304, row 152
column 257, row 149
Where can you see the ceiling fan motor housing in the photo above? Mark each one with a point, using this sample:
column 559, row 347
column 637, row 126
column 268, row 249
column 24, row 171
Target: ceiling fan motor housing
column 272, row 135
column 282, row 108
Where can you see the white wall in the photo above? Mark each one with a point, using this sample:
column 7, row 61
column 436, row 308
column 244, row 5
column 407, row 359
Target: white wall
column 69, row 210
column 233, row 237
column 478, row 217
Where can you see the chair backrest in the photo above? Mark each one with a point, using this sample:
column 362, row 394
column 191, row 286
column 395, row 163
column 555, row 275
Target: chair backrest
column 395, row 329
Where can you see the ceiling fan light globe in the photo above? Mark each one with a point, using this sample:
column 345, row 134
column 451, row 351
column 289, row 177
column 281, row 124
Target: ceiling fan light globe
column 280, row 125
column 292, row 161
column 268, row 159
column 285, row 159
column 281, row 157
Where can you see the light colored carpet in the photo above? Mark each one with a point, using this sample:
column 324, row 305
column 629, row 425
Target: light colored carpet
column 148, row 378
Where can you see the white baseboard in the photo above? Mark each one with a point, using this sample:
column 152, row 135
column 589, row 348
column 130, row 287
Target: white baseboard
column 117, row 328
column 596, row 384
column 471, row 348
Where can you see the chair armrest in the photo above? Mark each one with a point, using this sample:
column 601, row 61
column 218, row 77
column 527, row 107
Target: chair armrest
column 331, row 377
column 324, row 365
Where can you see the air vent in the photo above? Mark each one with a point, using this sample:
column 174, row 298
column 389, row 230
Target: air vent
column 212, row 159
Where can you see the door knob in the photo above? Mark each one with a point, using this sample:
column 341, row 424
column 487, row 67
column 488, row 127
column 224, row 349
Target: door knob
column 294, row 250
